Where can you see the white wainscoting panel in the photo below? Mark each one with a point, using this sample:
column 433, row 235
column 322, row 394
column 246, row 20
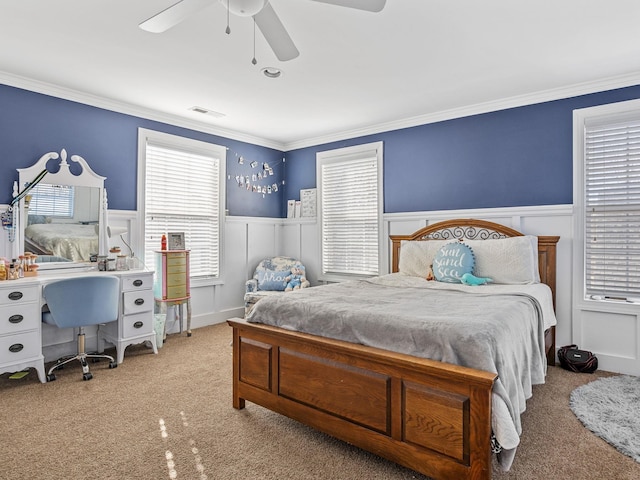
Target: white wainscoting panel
column 596, row 334
column 291, row 236
column 310, row 251
column 612, row 333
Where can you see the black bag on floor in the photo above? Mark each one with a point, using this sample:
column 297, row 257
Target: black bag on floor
column 571, row 358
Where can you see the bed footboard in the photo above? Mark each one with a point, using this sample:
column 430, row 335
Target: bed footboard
column 432, row 417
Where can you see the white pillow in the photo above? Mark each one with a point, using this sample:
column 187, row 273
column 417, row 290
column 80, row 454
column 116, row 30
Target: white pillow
column 417, row 256
column 511, row 260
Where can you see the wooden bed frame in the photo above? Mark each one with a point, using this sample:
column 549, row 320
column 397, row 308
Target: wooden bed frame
column 429, row 416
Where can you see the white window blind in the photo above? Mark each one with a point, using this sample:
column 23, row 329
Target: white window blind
column 612, row 209
column 350, row 195
column 182, row 194
column 52, row 200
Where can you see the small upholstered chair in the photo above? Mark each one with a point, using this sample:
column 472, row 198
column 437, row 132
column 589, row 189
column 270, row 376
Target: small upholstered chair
column 269, row 279
column 78, row 302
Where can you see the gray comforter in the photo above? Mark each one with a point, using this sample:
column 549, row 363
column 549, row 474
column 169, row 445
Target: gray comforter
column 495, row 328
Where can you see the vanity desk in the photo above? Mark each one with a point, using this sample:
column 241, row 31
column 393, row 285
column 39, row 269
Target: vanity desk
column 21, row 317
column 73, row 233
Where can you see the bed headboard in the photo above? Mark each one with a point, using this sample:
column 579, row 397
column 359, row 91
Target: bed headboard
column 471, row 229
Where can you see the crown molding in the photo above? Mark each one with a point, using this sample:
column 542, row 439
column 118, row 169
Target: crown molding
column 476, row 109
column 85, row 98
column 175, row 120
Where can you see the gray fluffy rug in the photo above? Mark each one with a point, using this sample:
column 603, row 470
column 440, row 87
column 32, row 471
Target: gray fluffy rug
column 610, row 408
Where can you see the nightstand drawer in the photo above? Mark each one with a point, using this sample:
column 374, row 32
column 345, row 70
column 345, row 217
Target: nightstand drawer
column 14, row 348
column 135, row 302
column 17, row 318
column 136, row 325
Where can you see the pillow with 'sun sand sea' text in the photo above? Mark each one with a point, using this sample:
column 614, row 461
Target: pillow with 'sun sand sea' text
column 452, row 261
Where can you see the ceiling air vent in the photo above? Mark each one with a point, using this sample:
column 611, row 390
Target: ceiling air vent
column 206, row 111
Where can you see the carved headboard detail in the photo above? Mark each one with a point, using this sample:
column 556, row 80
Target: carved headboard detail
column 472, row 229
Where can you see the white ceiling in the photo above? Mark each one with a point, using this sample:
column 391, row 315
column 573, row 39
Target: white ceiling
column 357, row 71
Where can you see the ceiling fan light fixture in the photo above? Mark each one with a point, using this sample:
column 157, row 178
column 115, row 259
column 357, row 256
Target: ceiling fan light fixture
column 244, row 8
column 271, row 72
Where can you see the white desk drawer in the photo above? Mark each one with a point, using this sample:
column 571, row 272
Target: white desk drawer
column 10, row 295
column 14, row 348
column 137, row 282
column 135, row 325
column 137, row 301
column 16, row 318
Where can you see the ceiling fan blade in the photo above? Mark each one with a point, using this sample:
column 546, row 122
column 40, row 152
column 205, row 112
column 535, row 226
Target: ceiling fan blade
column 173, row 15
column 276, row 35
column 368, row 5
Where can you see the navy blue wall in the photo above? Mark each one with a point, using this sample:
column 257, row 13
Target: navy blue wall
column 515, row 157
column 33, row 124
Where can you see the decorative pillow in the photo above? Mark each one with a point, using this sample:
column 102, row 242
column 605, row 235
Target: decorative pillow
column 511, row 260
column 452, row 261
column 417, row 256
column 272, row 280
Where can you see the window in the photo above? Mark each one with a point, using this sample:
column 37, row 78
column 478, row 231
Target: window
column 350, row 210
column 52, row 200
column 608, row 190
column 180, row 189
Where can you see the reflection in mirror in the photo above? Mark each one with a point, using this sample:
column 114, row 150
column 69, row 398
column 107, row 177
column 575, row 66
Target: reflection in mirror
column 61, row 220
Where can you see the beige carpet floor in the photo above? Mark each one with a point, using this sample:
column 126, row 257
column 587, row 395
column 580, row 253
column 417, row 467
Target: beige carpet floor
column 169, row 416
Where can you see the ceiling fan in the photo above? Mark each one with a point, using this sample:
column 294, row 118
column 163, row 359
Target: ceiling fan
column 263, row 14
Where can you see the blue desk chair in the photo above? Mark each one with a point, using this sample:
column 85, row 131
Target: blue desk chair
column 78, row 302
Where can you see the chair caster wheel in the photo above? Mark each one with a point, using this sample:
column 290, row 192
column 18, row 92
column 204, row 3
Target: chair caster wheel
column 51, row 377
column 113, row 365
column 87, row 376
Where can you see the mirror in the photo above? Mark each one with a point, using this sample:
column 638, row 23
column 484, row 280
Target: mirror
column 63, row 217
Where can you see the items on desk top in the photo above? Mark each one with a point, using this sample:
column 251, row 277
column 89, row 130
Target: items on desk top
column 109, row 264
column 23, row 266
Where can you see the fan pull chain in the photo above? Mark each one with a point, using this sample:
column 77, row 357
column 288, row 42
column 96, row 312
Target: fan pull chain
column 254, row 61
column 228, row 30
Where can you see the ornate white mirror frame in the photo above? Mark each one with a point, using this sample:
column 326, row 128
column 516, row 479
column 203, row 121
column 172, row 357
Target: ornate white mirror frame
column 86, row 178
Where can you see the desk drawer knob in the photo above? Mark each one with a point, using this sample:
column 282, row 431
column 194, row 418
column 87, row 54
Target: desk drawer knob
column 16, row 318
column 138, row 324
column 137, row 283
column 16, row 347
column 139, row 301
column 15, row 295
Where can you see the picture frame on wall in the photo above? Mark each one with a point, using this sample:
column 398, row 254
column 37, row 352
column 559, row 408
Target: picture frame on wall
column 175, row 241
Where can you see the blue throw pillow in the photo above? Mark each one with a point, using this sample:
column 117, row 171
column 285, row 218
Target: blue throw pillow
column 452, row 261
column 272, row 280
